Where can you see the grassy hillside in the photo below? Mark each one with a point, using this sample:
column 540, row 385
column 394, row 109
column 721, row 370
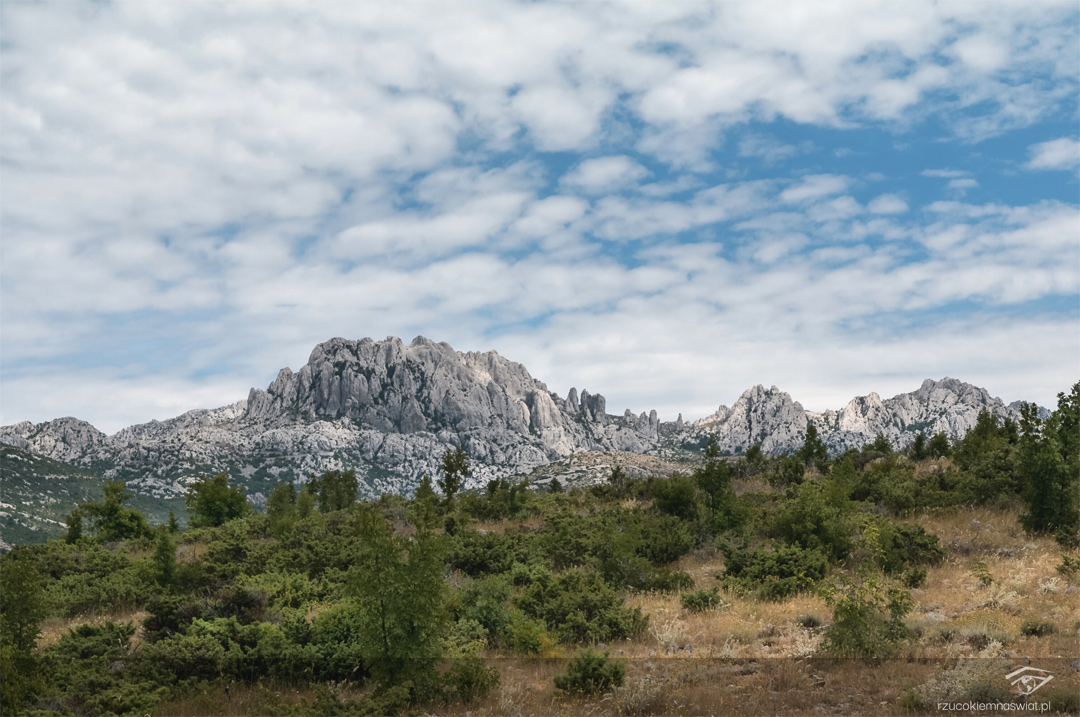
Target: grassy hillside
column 874, row 583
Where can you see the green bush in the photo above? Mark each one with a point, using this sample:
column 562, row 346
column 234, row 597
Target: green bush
column 1037, row 627
column 486, row 601
column 468, row 679
column 914, row 577
column 580, row 606
column 701, row 600
column 475, row 553
column 774, row 575
column 816, row 519
column 904, row 545
column 523, row 634
column 669, row 581
column 591, row 672
column 676, row 496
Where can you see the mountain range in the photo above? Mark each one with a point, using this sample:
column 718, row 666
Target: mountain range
column 389, row 410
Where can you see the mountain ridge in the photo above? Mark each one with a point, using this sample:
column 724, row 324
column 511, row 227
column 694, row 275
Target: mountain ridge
column 389, row 410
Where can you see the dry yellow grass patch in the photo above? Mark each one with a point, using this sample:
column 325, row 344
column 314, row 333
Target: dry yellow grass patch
column 55, row 628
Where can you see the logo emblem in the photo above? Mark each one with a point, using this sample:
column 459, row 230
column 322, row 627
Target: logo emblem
column 1028, row 679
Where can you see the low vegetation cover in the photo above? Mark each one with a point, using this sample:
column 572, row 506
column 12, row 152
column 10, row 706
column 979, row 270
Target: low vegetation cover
column 326, row 605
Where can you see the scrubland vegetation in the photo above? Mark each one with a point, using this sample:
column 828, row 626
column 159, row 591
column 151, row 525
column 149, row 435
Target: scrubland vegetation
column 870, row 583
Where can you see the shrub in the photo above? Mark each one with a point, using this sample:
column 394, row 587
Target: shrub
column 676, row 496
column 774, row 575
column 868, row 620
column 981, row 572
column 469, row 680
column 525, row 635
column 1070, row 566
column 668, row 581
column 905, row 544
column 485, row 603
column 1064, row 700
column 1037, row 627
column 701, row 600
column 645, row 696
column 868, row 615
column 816, row 520
column 914, row 577
column 910, row 700
column 591, row 672
column 581, row 606
column 475, row 553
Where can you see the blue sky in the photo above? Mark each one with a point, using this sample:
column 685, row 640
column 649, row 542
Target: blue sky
column 663, row 202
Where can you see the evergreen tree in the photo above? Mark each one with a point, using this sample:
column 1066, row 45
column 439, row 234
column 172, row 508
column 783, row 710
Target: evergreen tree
column 281, row 510
column 111, row 519
column 1050, row 467
column 212, row 502
column 165, row 557
column 455, row 467
column 939, row 446
column 22, row 608
column 814, row 451
column 74, row 526
column 399, row 590
column 555, row 486
column 619, row 481
column 714, row 478
column 918, row 447
column 337, row 490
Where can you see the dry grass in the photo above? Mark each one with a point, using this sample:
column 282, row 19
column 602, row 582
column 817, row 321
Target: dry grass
column 55, row 628
column 756, row 658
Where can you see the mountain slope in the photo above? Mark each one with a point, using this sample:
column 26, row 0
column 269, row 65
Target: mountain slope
column 389, row 411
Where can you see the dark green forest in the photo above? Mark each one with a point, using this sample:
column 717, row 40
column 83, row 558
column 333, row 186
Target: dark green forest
column 399, row 605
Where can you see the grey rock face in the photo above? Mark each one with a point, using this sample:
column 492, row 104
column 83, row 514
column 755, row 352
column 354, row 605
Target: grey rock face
column 381, row 407
column 772, row 418
column 390, row 410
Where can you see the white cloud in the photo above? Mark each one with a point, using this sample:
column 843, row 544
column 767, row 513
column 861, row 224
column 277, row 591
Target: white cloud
column 815, row 187
column 1061, row 153
column 230, row 200
column 945, row 173
column 962, row 185
column 605, row 174
column 887, row 204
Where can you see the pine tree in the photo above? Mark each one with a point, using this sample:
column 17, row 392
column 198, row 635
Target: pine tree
column 455, row 467
column 399, row 590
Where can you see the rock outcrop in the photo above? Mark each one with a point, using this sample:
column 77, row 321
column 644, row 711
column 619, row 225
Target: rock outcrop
column 390, row 410
column 770, row 417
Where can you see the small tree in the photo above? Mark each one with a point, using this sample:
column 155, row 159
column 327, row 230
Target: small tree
column 814, row 451
column 714, row 478
column 1050, row 467
column 918, row 447
column 618, row 481
column 868, row 612
column 555, row 486
column 74, row 526
column 455, row 467
column 281, row 512
column 22, row 608
column 165, row 557
column 337, row 490
column 399, row 590
column 111, row 519
column 939, row 446
column 212, row 502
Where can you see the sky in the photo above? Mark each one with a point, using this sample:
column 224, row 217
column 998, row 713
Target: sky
column 665, row 203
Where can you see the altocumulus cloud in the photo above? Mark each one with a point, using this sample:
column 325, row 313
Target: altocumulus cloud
column 663, row 202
